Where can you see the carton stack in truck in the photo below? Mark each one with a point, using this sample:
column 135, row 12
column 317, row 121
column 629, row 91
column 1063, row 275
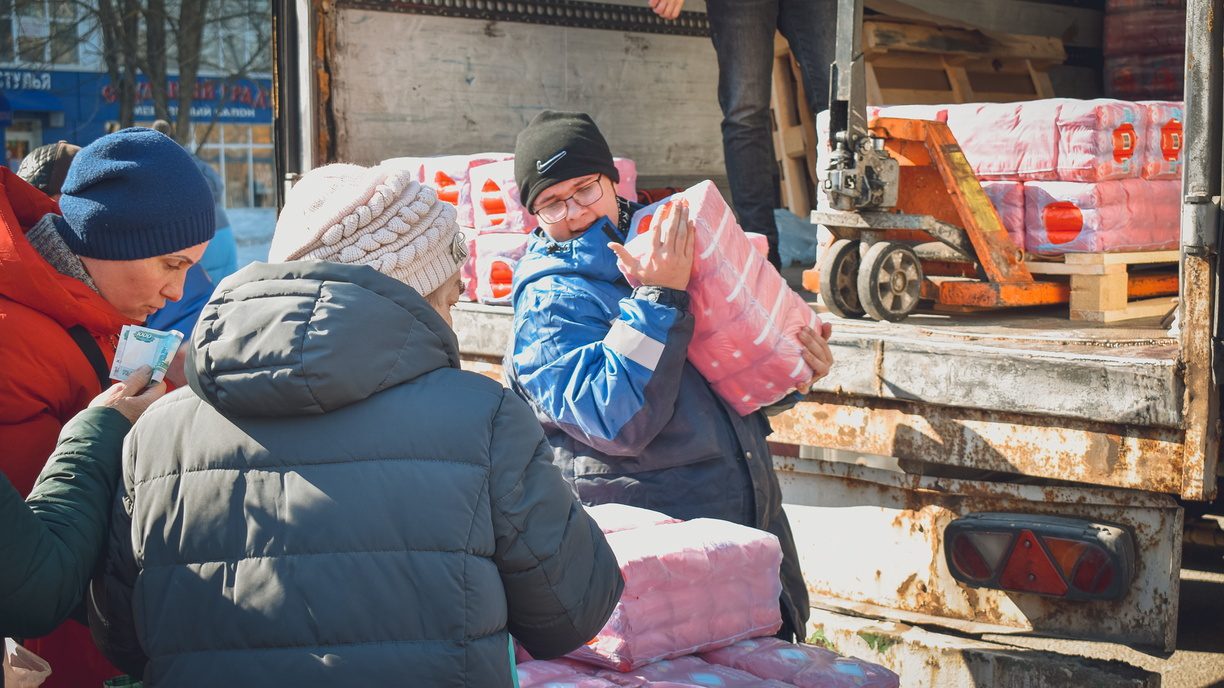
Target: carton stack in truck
column 1145, row 49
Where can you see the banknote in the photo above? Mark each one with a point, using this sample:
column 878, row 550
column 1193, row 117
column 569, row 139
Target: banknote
column 140, row 346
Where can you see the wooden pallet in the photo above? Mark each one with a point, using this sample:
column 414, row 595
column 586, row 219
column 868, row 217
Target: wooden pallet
column 794, row 132
column 1103, row 288
column 917, row 63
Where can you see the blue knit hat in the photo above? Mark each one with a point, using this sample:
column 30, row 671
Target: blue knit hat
column 134, row 194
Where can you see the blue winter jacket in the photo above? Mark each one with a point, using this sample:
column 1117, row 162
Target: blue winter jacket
column 630, row 420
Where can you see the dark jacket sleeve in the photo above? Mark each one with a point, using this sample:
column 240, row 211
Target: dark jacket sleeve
column 561, row 578
column 52, row 540
column 109, row 599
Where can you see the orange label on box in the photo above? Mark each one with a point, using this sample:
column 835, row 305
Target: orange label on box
column 1171, row 140
column 1063, row 221
column 1124, row 140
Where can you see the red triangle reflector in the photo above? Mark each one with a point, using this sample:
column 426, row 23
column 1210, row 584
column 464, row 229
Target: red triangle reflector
column 1029, row 569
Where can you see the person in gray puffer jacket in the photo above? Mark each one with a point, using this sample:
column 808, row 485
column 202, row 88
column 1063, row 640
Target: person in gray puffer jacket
column 333, row 501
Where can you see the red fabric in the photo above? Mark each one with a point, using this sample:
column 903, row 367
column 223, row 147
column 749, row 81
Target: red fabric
column 44, row 381
column 75, row 661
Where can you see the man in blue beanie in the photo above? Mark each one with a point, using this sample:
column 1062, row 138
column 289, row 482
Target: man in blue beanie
column 135, row 213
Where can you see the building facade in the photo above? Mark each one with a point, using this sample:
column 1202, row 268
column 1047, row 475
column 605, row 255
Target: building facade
column 54, row 81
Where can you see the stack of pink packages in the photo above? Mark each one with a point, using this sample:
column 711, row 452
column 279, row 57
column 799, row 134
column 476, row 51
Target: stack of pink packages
column 495, row 196
column 804, row 666
column 613, row 518
column 1163, row 147
column 1008, row 200
column 493, row 258
column 559, row 673
column 747, row 320
column 1123, row 215
column 449, row 174
column 689, row 587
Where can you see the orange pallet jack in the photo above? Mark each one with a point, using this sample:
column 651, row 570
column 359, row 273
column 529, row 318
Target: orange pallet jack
column 906, row 207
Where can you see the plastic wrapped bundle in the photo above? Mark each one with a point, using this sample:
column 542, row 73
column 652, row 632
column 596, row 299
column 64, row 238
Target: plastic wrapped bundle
column 1008, row 141
column 1145, row 32
column 1008, row 201
column 746, row 319
column 497, row 256
column 1098, row 140
column 559, row 673
column 627, row 186
column 689, row 671
column 689, row 587
column 468, row 271
column 1162, row 150
column 614, row 518
column 449, row 174
column 1142, row 77
column 804, row 666
column 495, row 200
column 1122, row 215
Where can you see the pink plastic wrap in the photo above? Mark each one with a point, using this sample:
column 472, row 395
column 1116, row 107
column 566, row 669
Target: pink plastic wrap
column 746, row 319
column 1008, row 141
column 1162, row 150
column 468, row 271
column 1122, row 215
column 804, row 666
column 627, row 186
column 614, row 518
column 689, row 587
column 1008, row 200
column 449, row 174
column 497, row 256
column 1145, row 32
column 1098, row 140
column 689, row 671
column 495, row 200
column 559, row 673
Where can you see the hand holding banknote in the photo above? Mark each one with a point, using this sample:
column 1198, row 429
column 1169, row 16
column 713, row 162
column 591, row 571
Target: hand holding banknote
column 132, row 396
column 144, row 346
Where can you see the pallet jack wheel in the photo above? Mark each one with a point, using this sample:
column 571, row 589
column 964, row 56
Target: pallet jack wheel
column 839, row 269
column 889, row 281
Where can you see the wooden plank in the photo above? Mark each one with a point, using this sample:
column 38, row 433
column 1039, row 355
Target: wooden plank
column 1046, row 268
column 1076, row 26
column 1147, row 308
column 1091, row 293
column 1041, row 79
column 1131, row 258
column 962, row 90
column 883, row 36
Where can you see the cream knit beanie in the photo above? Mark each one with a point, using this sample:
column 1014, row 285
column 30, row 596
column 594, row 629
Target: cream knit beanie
column 376, row 216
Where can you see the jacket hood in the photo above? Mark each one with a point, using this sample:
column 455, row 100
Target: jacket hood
column 27, row 278
column 309, row 337
column 586, row 255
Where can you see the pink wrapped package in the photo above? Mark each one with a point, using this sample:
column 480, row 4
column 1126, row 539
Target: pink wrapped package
column 747, row 320
column 627, row 186
column 468, row 271
column 689, row 587
column 497, row 255
column 1162, row 149
column 805, row 666
column 1142, row 77
column 1007, row 140
column 1098, row 140
column 559, row 673
column 495, row 196
column 689, row 671
column 1008, row 200
column 613, row 518
column 1121, row 215
column 449, row 174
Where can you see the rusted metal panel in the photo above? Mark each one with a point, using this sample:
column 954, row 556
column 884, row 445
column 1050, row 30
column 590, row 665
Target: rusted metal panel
column 1202, row 443
column 1096, row 454
column 924, row 659
column 872, row 540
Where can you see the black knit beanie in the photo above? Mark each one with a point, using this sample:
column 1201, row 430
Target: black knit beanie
column 556, row 147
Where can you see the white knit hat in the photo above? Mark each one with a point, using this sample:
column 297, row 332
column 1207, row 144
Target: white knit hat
column 376, row 216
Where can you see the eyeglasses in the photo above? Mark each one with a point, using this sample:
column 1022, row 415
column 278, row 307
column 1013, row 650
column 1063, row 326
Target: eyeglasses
column 584, row 196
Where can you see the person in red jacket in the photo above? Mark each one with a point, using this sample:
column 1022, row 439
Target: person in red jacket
column 134, row 214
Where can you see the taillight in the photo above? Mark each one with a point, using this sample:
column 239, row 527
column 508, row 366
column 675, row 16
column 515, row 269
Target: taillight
column 1044, row 555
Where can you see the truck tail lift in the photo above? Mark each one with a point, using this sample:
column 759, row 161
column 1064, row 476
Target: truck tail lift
column 909, row 218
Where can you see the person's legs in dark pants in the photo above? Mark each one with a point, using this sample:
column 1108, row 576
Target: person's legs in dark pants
column 810, row 27
column 743, row 36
